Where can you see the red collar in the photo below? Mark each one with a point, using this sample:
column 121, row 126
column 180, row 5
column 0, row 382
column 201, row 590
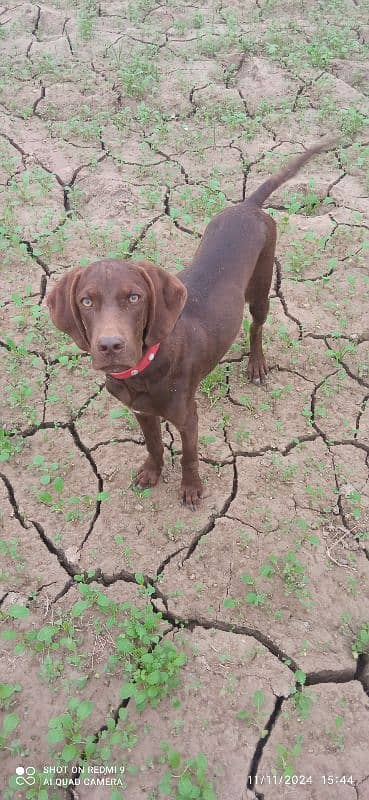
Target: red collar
column 142, row 364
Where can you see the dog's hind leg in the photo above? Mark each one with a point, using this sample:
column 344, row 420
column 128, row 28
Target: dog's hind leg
column 257, row 295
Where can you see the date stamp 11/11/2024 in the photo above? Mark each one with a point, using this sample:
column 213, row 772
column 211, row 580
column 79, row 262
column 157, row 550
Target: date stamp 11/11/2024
column 26, row 776
column 112, row 776
column 330, row 779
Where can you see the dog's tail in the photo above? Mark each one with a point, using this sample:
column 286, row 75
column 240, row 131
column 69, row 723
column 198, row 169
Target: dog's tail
column 261, row 194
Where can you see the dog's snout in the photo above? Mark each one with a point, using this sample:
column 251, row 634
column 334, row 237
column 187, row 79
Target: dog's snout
column 110, row 344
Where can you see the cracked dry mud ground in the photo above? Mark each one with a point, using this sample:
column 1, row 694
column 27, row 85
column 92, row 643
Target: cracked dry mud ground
column 124, row 128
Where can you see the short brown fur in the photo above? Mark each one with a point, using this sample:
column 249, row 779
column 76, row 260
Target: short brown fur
column 195, row 316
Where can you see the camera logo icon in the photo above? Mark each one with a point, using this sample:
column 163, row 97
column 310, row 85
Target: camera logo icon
column 25, row 775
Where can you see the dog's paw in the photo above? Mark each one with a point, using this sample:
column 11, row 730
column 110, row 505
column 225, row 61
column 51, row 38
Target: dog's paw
column 257, row 370
column 147, row 475
column 191, row 492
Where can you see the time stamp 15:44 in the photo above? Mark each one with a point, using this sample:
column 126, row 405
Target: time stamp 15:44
column 295, row 780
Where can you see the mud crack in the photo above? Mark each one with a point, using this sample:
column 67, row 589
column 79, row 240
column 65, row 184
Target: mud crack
column 261, row 744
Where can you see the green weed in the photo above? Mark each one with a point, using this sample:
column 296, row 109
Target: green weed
column 360, row 645
column 286, row 758
column 255, row 716
column 8, row 692
column 10, row 444
column 141, row 74
column 65, row 730
column 185, row 778
column 215, row 385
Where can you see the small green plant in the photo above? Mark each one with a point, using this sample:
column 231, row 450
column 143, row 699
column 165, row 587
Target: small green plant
column 286, row 758
column 352, row 121
column 138, row 9
column 230, row 602
column 198, row 19
column 206, row 439
column 291, row 571
column 173, row 532
column 338, row 354
column 87, row 18
column 141, row 74
column 287, row 43
column 286, row 472
column 9, row 724
column 305, row 253
column 185, row 779
column 142, row 494
column 302, row 699
column 255, row 716
column 335, row 732
column 29, row 186
column 156, row 673
column 305, row 202
column 121, row 733
column 354, row 498
column 255, row 599
column 215, row 385
column 86, row 125
column 205, row 202
column 52, row 496
column 126, row 550
column 8, row 692
column 360, row 645
column 10, row 444
column 66, row 729
column 126, row 415
column 242, row 436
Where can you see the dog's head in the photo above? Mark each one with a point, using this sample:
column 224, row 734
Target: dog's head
column 114, row 309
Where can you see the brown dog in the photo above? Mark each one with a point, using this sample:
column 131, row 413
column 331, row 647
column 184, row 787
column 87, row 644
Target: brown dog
column 156, row 336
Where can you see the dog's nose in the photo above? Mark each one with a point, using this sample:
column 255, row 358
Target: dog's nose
column 110, row 344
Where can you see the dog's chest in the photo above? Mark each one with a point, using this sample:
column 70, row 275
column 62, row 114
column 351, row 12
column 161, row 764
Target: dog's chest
column 134, row 396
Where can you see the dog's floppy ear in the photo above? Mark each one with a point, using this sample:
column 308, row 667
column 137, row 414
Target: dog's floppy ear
column 61, row 302
column 167, row 299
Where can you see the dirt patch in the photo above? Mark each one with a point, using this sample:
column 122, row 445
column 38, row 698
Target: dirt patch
column 158, row 514
column 337, row 719
column 222, row 673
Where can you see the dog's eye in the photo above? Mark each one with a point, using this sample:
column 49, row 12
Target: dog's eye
column 86, row 302
column 134, row 298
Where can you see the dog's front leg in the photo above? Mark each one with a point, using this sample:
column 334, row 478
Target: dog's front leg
column 191, row 486
column 149, row 472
